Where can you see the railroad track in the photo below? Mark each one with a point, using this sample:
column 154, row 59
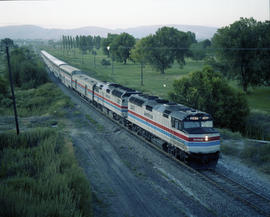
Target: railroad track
column 241, row 193
column 247, row 196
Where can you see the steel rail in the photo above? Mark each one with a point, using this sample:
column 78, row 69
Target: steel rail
column 238, row 191
column 201, row 174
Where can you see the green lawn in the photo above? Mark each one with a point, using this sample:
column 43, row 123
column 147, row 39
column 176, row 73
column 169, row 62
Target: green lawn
column 129, row 74
column 154, row 82
column 259, row 99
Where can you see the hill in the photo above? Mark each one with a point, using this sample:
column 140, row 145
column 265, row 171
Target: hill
column 37, row 32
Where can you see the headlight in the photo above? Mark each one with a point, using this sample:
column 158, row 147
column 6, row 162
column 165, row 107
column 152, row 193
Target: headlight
column 206, row 138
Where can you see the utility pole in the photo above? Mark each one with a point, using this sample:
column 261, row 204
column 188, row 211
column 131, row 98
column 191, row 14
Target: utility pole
column 7, row 43
column 108, row 48
column 112, row 65
column 142, row 73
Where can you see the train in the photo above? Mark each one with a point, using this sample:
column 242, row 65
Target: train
column 186, row 133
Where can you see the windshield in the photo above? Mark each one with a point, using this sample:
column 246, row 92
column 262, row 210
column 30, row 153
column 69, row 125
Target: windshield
column 207, row 124
column 191, row 124
column 197, row 124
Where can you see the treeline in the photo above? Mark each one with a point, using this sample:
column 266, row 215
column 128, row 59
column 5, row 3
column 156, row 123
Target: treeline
column 27, row 69
column 160, row 50
column 208, row 91
column 35, row 95
column 27, row 72
column 238, row 52
column 242, row 52
column 84, row 43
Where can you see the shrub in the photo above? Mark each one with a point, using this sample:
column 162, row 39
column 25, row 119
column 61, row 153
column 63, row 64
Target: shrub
column 105, row 62
column 3, row 87
column 46, row 99
column 258, row 126
column 206, row 90
column 27, row 69
column 258, row 155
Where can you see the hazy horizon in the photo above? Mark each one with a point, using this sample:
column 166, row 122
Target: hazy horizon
column 112, row 28
column 69, row 14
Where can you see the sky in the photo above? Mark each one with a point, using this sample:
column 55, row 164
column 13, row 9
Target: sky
column 130, row 13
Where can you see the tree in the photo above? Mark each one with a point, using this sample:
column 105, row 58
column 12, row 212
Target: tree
column 3, row 88
column 139, row 54
column 208, row 91
column 167, row 45
column 83, row 44
column 97, row 42
column 263, row 57
column 239, row 46
column 199, row 50
column 121, row 45
column 64, row 45
column 90, row 43
column 107, row 42
column 27, row 69
column 77, row 41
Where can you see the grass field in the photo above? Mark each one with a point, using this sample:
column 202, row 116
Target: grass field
column 154, row 82
column 259, row 99
column 129, row 74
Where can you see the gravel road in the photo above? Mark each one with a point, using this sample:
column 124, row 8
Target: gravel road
column 129, row 178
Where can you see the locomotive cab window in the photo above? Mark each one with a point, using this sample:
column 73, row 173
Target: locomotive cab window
column 192, row 124
column 207, row 124
column 149, row 108
column 96, row 89
column 176, row 124
column 85, row 92
column 198, row 124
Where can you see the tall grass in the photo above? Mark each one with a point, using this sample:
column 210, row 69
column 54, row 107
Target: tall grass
column 258, row 155
column 258, row 125
column 252, row 153
column 39, row 176
column 46, row 99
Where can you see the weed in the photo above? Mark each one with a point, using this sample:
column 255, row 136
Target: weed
column 40, row 176
column 258, row 125
column 94, row 122
column 47, row 99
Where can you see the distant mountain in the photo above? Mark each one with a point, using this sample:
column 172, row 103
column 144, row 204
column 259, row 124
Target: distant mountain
column 36, row 32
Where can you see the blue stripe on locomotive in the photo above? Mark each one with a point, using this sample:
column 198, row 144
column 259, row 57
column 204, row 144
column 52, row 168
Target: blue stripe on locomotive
column 193, row 144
